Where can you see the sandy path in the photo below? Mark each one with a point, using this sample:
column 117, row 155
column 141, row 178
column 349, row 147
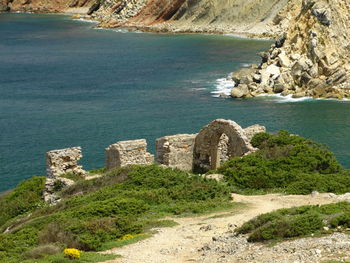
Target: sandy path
column 182, row 243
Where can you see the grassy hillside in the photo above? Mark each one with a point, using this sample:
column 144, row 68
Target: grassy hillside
column 97, row 214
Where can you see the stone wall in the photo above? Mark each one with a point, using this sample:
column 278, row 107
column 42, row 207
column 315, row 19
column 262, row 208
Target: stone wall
column 126, row 153
column 58, row 163
column 64, row 161
column 252, row 130
column 176, row 151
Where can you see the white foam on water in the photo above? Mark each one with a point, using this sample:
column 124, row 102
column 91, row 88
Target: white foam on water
column 86, row 20
column 246, row 37
column 289, row 98
column 223, row 86
column 284, row 99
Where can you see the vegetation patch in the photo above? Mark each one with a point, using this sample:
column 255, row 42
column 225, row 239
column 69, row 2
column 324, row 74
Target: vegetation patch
column 286, row 163
column 297, row 222
column 26, row 197
column 104, row 210
column 85, row 257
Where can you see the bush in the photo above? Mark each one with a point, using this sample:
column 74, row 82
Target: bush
column 56, row 233
column 24, row 198
column 296, row 222
column 288, row 162
column 41, row 251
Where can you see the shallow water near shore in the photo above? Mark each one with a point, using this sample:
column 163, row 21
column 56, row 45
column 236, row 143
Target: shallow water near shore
column 65, row 84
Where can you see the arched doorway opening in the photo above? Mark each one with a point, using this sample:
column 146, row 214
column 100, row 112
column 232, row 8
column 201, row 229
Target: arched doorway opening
column 217, row 142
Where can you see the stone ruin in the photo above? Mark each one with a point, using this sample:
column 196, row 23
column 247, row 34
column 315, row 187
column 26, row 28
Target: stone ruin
column 64, row 161
column 215, row 143
column 58, row 163
column 176, row 151
column 127, row 153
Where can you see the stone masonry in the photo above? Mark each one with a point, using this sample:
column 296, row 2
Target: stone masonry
column 176, row 151
column 208, row 150
column 64, row 161
column 252, row 130
column 58, row 163
column 215, row 143
column 126, row 153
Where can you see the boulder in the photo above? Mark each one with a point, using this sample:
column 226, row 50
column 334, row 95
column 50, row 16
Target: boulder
column 278, row 88
column 299, row 95
column 273, row 70
column 237, row 76
column 284, row 60
column 295, row 56
column 257, row 78
column 240, row 91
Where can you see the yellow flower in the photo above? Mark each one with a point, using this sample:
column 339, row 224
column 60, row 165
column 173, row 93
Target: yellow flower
column 72, row 253
column 126, row 237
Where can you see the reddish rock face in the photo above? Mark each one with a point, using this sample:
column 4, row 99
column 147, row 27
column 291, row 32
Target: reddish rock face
column 156, row 11
column 51, row 6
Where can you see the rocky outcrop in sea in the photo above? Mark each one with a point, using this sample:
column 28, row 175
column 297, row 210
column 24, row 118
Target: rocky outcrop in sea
column 310, row 59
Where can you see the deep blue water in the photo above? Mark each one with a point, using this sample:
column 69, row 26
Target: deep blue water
column 63, row 83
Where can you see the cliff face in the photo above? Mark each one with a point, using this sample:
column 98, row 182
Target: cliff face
column 310, row 59
column 227, row 16
column 47, row 6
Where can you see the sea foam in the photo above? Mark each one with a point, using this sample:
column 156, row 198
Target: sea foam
column 223, row 86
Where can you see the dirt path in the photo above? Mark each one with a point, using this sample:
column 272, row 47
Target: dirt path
column 183, row 243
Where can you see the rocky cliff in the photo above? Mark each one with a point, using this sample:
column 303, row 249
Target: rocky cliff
column 310, row 59
column 249, row 17
column 47, row 6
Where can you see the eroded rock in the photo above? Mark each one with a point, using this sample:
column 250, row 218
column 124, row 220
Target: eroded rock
column 312, row 56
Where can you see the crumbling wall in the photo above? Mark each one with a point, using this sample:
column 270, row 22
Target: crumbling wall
column 64, row 161
column 126, row 153
column 176, row 151
column 252, row 130
column 58, row 163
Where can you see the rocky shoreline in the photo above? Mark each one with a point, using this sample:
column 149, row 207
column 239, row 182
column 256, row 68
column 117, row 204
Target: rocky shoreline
column 309, row 60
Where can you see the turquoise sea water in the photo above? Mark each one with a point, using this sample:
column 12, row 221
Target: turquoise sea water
column 63, row 83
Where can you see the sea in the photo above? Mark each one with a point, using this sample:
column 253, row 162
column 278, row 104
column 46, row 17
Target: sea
column 65, row 83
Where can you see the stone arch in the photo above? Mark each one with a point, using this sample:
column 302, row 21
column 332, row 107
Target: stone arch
column 205, row 153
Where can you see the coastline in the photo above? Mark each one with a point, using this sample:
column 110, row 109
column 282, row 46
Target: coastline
column 161, row 28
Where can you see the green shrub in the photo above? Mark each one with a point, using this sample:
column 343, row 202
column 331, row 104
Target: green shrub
column 296, row 222
column 288, row 162
column 42, row 251
column 341, row 220
column 24, row 198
